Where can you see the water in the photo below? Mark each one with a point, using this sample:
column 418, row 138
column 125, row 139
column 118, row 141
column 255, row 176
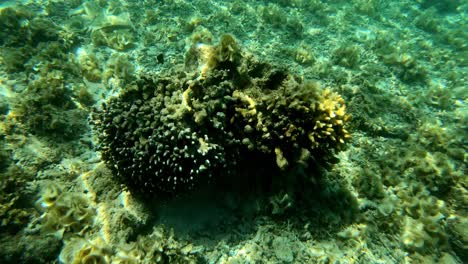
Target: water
column 233, row 131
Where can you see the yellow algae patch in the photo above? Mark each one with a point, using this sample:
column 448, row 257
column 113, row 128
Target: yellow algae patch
column 185, row 99
column 251, row 105
column 204, row 146
column 104, row 220
column 207, row 57
column 280, row 159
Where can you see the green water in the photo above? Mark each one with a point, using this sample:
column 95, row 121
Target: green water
column 299, row 131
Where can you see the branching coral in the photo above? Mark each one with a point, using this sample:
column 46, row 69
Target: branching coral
column 173, row 132
column 294, row 119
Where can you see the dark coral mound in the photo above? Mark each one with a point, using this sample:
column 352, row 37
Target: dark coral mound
column 154, row 142
column 226, row 114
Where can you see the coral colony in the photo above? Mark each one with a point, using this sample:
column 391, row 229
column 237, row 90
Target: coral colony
column 172, row 132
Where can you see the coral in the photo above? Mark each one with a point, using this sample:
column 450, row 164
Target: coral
column 167, row 132
column 229, row 116
column 170, row 133
column 296, row 121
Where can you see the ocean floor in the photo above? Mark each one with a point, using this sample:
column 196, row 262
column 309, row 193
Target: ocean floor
column 387, row 183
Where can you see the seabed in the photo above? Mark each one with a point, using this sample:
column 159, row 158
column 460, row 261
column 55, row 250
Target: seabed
column 396, row 192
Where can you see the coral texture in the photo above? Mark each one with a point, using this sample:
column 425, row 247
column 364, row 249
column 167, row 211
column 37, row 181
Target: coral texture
column 170, row 133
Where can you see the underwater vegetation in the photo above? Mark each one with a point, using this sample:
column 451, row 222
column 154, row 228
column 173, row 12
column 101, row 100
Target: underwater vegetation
column 141, row 132
column 159, row 247
column 64, row 212
column 47, row 106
